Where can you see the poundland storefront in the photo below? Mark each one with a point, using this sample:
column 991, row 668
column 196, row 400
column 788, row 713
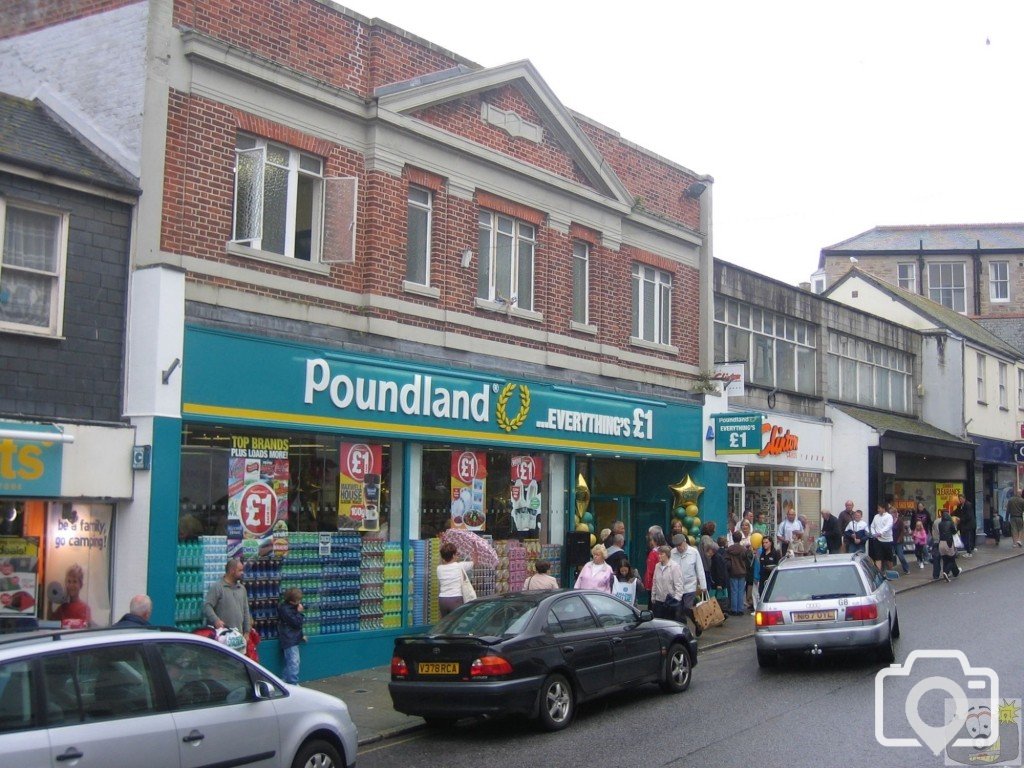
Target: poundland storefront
column 335, row 472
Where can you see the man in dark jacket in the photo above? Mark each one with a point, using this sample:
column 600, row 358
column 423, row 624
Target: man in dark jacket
column 737, row 558
column 139, row 610
column 830, row 530
column 968, row 524
column 289, row 632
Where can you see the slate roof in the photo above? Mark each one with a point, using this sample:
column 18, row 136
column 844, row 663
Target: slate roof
column 941, row 315
column 934, row 239
column 30, row 136
column 889, row 422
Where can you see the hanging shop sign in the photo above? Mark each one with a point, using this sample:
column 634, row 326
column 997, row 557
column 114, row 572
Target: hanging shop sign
column 313, row 388
column 737, row 433
column 469, row 489
column 526, row 473
column 359, row 492
column 258, row 474
column 29, row 467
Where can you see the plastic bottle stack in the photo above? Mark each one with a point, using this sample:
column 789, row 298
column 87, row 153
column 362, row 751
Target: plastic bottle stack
column 418, row 583
column 392, row 587
column 301, row 568
column 371, row 585
column 340, row 585
column 200, row 564
column 263, row 584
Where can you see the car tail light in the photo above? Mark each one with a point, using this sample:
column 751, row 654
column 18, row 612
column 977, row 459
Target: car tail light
column 490, row 666
column 398, row 667
column 767, row 618
column 861, row 612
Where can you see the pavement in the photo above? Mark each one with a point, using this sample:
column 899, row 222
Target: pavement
column 366, row 692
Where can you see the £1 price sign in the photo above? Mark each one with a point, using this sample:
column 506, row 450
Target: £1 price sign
column 258, row 508
column 737, row 433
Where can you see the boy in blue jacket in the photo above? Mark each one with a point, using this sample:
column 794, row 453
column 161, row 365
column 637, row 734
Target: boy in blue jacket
column 289, row 622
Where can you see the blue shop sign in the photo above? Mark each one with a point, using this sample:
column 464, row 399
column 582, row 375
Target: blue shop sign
column 993, row 451
column 30, row 467
column 241, row 379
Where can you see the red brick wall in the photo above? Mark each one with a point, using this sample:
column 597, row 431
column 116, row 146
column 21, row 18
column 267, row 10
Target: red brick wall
column 20, row 16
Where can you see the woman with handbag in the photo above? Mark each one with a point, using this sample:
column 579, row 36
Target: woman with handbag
column 667, row 587
column 453, row 581
column 596, row 574
column 947, row 549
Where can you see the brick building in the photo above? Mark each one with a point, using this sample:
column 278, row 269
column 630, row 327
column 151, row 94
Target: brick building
column 379, row 289
column 66, row 217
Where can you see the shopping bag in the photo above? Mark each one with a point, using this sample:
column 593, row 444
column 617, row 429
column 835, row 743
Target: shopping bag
column 468, row 593
column 957, row 541
column 708, row 613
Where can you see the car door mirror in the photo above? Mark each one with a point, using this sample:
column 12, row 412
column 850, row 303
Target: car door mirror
column 645, row 616
column 263, row 690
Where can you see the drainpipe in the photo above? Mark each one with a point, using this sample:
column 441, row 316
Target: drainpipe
column 707, row 273
column 920, row 267
column 977, row 278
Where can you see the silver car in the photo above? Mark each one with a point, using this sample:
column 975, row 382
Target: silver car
column 163, row 699
column 826, row 603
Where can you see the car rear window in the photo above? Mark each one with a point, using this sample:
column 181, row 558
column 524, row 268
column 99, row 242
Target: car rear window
column 821, row 583
column 498, row 618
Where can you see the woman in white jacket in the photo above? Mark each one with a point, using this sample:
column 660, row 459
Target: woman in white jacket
column 667, row 588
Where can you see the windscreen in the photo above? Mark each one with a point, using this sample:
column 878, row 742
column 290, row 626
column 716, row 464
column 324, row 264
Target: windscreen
column 821, row 583
column 497, row 618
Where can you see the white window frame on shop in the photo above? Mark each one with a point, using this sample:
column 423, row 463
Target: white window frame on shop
column 652, row 305
column 269, row 172
column 778, row 351
column 906, row 277
column 981, row 362
column 999, row 281
column 418, row 233
column 1020, row 389
column 1003, row 394
column 33, row 268
column 506, row 255
column 947, row 284
column 580, row 282
column 869, row 374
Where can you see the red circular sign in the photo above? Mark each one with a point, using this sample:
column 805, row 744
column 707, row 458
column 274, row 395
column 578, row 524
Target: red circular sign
column 258, row 508
column 466, row 467
column 359, row 461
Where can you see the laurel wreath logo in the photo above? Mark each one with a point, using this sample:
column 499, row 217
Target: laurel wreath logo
column 501, row 411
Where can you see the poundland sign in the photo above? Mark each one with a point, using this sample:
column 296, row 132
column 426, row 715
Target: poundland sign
column 234, row 378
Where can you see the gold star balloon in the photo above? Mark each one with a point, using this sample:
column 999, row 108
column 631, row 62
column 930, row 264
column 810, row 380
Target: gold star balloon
column 582, row 497
column 685, row 492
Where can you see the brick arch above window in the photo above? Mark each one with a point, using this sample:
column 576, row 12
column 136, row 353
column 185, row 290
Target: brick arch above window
column 586, row 234
column 509, row 208
column 268, row 129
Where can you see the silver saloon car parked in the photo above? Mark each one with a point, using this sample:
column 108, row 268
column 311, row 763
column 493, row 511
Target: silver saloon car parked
column 159, row 698
column 834, row 603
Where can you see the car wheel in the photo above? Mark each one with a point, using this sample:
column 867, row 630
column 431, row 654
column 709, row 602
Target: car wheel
column 886, row 651
column 317, row 754
column 896, row 627
column 766, row 659
column 557, row 703
column 439, row 722
column 677, row 672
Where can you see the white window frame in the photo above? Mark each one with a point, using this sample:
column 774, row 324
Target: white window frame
column 428, row 207
column 1020, row 389
column 999, row 284
column 981, row 361
column 492, row 227
column 298, row 164
column 906, row 276
column 581, row 259
column 944, row 290
column 1002, row 386
column 58, row 276
column 853, row 373
column 647, row 279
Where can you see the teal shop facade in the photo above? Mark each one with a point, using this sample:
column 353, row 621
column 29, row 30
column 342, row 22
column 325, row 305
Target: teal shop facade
column 365, row 459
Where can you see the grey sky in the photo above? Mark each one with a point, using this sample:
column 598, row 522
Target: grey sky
column 818, row 120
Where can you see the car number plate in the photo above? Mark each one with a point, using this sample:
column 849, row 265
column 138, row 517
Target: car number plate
column 814, row 616
column 435, row 668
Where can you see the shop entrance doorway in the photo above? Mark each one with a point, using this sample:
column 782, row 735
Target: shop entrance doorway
column 608, row 509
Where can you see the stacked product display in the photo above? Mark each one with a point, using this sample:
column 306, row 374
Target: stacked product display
column 371, row 585
column 263, row 585
column 340, row 583
column 418, row 593
column 392, row 587
column 200, row 566
column 516, row 562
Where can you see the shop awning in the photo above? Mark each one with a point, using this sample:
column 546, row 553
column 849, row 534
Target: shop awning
column 907, row 435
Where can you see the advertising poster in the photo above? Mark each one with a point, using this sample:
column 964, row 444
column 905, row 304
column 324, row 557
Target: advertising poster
column 469, row 487
column 19, row 563
column 946, row 496
column 359, row 487
column 526, row 472
column 78, row 565
column 258, row 475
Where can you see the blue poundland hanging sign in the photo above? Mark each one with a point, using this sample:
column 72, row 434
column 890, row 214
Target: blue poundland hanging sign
column 737, row 433
column 233, row 378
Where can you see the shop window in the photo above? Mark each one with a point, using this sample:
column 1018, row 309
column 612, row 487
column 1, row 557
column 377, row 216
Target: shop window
column 278, row 198
column 32, row 268
column 786, row 477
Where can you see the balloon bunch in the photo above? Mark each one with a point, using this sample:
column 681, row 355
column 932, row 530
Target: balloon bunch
column 584, row 517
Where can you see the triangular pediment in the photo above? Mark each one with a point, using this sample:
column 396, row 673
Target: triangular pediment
column 415, row 98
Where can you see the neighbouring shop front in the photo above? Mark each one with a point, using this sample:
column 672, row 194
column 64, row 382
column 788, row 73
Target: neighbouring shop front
column 776, row 463
column 995, row 477
column 59, row 487
column 335, row 472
